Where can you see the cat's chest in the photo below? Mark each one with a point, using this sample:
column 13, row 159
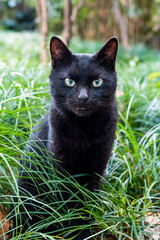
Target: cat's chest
column 78, row 143
column 82, row 146
column 82, row 142
column 80, row 153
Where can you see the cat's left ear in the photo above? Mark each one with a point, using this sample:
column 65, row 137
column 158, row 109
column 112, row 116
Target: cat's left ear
column 107, row 54
column 60, row 54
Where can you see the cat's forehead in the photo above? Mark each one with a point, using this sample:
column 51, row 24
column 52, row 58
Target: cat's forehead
column 83, row 58
column 85, row 55
column 82, row 61
column 82, row 64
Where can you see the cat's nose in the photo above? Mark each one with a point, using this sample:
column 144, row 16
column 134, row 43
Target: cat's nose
column 83, row 94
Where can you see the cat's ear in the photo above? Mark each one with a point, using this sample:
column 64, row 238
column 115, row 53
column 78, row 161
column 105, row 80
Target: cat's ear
column 107, row 54
column 60, row 54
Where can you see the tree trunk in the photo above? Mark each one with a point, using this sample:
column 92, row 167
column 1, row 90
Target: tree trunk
column 76, row 9
column 69, row 18
column 67, row 30
column 42, row 15
column 122, row 24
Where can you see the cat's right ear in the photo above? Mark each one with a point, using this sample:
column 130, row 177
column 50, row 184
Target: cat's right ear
column 107, row 54
column 59, row 52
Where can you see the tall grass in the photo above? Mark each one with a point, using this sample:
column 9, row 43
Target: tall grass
column 130, row 190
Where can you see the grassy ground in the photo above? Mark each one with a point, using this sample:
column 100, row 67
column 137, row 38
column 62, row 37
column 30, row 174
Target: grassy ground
column 131, row 191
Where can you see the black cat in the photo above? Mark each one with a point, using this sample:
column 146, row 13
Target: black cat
column 80, row 127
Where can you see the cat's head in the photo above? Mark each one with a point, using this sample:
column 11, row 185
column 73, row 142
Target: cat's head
column 83, row 83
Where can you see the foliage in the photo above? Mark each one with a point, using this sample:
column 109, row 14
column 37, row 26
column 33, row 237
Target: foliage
column 17, row 15
column 141, row 18
column 130, row 190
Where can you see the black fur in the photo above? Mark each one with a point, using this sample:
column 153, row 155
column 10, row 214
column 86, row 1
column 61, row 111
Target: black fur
column 80, row 131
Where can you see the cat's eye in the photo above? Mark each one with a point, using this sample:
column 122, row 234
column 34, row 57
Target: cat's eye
column 69, row 82
column 97, row 82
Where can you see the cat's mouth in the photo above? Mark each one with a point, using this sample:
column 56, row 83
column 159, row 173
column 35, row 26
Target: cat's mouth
column 82, row 111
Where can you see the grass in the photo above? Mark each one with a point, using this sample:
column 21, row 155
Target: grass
column 130, row 191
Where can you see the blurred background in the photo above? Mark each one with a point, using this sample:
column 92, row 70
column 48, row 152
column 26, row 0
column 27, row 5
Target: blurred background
column 133, row 21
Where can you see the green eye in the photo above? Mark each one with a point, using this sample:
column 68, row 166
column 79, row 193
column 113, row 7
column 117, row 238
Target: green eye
column 69, row 82
column 98, row 82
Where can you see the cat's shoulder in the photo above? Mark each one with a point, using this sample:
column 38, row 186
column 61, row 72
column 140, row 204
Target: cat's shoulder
column 41, row 129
